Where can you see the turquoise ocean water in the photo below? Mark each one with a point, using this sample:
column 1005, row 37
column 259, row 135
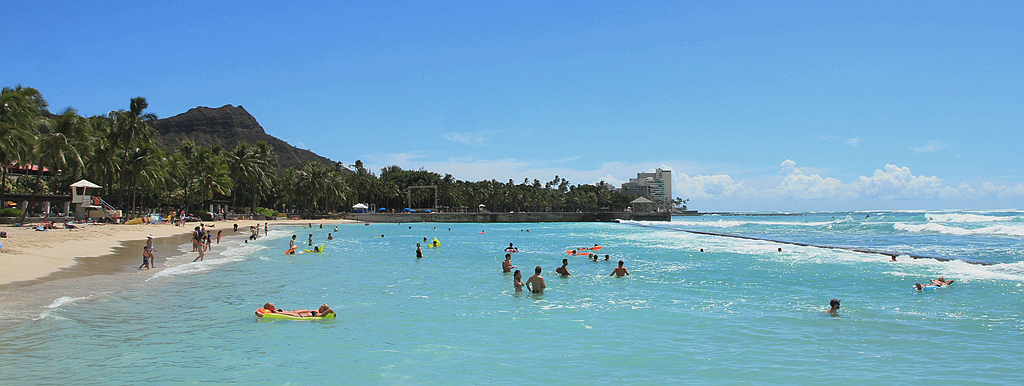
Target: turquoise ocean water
column 741, row 311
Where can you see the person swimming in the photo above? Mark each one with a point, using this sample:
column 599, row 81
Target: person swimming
column 834, row 307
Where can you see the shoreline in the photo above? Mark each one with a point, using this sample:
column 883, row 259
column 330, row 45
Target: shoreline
column 32, row 257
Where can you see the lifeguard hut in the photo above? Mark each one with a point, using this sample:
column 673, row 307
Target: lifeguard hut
column 88, row 204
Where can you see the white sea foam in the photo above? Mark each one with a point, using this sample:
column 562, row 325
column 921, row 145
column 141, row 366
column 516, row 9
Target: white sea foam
column 968, row 217
column 959, row 270
column 1006, row 230
column 64, row 300
column 228, row 256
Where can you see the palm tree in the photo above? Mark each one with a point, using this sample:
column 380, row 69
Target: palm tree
column 20, row 109
column 132, row 129
column 53, row 148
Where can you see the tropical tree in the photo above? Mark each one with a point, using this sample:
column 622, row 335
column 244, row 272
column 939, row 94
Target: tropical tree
column 132, row 129
column 20, row 109
column 53, row 147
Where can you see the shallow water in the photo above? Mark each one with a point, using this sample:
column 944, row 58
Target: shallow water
column 739, row 312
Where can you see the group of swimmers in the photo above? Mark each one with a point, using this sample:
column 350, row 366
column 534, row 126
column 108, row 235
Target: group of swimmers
column 535, row 284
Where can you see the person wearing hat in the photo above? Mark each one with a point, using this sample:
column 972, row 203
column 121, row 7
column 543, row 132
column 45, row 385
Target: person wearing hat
column 148, row 251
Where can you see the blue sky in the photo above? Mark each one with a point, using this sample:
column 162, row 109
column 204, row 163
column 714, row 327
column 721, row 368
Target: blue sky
column 754, row 105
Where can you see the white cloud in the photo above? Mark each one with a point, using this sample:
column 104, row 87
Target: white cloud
column 931, row 147
column 797, row 185
column 791, row 186
column 720, row 186
column 472, row 138
column 854, row 142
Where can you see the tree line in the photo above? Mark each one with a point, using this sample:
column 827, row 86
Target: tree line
column 119, row 151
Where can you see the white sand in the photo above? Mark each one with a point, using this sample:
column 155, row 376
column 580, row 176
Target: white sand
column 28, row 254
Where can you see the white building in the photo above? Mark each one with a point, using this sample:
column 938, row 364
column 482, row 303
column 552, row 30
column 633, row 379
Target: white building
column 657, row 186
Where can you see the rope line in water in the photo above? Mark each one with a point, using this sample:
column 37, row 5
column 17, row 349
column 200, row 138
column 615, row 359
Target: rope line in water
column 852, row 249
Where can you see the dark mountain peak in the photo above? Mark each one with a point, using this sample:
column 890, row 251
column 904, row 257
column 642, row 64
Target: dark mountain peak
column 226, row 126
column 223, row 119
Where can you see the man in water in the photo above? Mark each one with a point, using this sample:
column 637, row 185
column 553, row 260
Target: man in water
column 563, row 270
column 834, row 304
column 270, row 309
column 506, row 266
column 620, row 271
column 536, row 283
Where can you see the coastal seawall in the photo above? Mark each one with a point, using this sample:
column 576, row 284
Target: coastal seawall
column 507, row 217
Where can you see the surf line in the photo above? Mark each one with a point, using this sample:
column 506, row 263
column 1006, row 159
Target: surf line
column 852, row 249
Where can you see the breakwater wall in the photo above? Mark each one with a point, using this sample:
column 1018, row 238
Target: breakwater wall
column 891, row 254
column 507, row 217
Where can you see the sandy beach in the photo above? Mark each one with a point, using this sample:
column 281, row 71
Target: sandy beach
column 31, row 257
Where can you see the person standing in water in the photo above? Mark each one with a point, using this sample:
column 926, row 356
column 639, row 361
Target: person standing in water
column 563, row 270
column 517, row 280
column 148, row 252
column 535, row 283
column 506, row 266
column 620, row 271
column 419, row 251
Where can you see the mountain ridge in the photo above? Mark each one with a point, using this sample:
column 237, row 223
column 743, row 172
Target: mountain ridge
column 227, row 126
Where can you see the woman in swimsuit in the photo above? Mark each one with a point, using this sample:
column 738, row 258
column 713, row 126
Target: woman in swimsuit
column 517, row 280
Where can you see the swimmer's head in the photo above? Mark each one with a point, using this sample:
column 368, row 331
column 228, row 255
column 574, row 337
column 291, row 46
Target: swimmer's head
column 537, row 270
column 508, row 256
column 517, row 274
column 834, row 303
column 269, row 306
column 565, row 261
column 621, row 263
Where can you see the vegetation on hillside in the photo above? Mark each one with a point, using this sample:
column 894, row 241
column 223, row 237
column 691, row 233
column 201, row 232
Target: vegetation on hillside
column 118, row 151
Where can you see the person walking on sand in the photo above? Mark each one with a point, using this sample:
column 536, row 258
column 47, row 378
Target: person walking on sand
column 419, row 251
column 563, row 270
column 506, row 266
column 620, row 270
column 535, row 284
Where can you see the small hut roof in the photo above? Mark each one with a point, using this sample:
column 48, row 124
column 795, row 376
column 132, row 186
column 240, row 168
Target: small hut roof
column 641, row 200
column 85, row 184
